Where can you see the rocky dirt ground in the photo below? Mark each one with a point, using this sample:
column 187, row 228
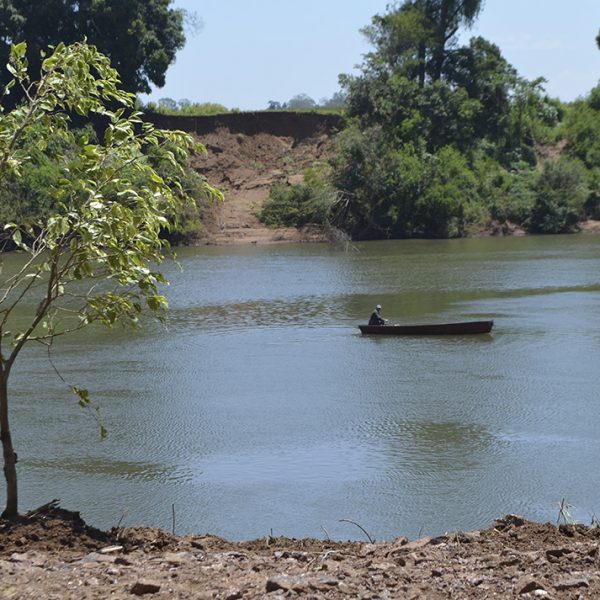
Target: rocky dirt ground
column 55, row 555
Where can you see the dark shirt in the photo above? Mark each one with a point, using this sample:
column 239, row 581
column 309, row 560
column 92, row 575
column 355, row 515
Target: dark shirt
column 376, row 319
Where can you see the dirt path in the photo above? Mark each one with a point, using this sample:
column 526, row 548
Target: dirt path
column 244, row 167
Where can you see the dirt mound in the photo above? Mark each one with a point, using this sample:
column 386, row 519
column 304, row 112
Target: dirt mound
column 54, row 554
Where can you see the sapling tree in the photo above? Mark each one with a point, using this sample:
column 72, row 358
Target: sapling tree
column 95, row 259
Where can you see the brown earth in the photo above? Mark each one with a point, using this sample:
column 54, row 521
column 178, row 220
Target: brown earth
column 244, row 167
column 54, row 554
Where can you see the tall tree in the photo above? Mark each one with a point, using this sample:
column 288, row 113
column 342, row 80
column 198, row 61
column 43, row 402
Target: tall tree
column 446, row 17
column 93, row 259
column 418, row 35
column 141, row 37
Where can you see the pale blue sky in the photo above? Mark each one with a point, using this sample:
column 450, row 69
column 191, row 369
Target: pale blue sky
column 252, row 51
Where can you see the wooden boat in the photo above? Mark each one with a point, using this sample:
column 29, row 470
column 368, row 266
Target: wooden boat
column 432, row 329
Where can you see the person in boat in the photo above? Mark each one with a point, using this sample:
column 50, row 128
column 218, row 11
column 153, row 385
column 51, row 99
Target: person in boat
column 376, row 318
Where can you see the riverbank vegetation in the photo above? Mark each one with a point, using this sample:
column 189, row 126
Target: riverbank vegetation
column 445, row 140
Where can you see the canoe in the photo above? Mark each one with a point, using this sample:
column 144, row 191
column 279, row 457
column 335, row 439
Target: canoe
column 432, row 329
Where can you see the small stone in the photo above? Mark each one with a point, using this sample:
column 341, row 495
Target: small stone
column 553, row 554
column 568, row 584
column 177, row 558
column 111, row 549
column 91, row 557
column 400, row 541
column 299, row 583
column 382, row 566
column 416, row 544
column 286, row 583
column 19, row 557
column 527, row 584
column 140, row 588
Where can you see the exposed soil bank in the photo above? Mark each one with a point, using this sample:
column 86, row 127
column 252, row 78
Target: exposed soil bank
column 55, row 555
column 247, row 154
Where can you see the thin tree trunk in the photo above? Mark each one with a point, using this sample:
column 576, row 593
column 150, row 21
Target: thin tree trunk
column 422, row 61
column 10, row 458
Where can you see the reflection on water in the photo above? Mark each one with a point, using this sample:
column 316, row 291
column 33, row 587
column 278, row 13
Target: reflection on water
column 261, row 406
column 309, row 464
column 306, row 311
column 427, row 447
column 96, row 466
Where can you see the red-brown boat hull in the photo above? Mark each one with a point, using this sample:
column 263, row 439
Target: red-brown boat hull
column 432, row 329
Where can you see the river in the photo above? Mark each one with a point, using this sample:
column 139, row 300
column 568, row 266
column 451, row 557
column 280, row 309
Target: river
column 261, row 409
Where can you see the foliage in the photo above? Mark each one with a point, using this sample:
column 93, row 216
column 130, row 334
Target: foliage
column 406, row 191
column 582, row 129
column 94, row 257
column 416, row 38
column 442, row 136
column 508, row 196
column 301, row 102
column 30, row 195
column 168, row 106
column 560, row 195
column 141, row 37
column 312, row 202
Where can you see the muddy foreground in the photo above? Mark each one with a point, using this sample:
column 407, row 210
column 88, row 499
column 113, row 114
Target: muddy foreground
column 54, row 554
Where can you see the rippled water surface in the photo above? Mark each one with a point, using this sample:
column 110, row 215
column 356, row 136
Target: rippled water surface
column 261, row 407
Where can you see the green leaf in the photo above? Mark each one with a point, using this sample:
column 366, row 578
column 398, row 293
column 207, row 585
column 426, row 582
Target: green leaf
column 82, row 394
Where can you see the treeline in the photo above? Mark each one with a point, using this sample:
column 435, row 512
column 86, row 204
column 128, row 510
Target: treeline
column 299, row 102
column 444, row 140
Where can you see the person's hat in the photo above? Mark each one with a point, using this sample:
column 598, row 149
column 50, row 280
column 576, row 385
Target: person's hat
column 378, row 307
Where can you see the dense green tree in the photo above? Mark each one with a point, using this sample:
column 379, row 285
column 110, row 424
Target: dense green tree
column 582, row 129
column 417, row 36
column 481, row 70
column 438, row 132
column 560, row 195
column 94, row 258
column 141, row 37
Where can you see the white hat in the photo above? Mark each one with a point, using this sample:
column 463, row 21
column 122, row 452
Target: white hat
column 378, row 307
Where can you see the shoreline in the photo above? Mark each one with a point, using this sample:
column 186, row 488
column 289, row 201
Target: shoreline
column 290, row 235
column 54, row 554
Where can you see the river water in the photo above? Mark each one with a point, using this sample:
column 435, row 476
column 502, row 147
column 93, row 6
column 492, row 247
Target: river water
column 261, row 409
